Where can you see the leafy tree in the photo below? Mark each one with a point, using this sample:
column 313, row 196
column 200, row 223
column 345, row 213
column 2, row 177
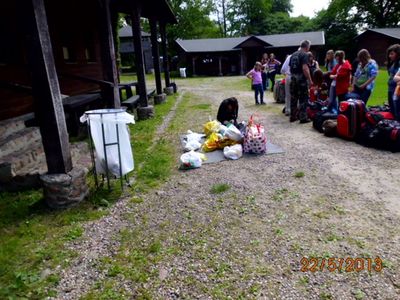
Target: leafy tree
column 373, row 13
column 284, row 6
column 193, row 20
column 248, row 17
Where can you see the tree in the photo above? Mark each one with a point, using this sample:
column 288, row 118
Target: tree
column 248, row 17
column 283, row 6
column 221, row 11
column 361, row 13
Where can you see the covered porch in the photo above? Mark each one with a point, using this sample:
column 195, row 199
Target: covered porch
column 58, row 61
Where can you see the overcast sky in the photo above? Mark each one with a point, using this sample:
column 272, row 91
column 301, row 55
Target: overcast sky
column 308, row 7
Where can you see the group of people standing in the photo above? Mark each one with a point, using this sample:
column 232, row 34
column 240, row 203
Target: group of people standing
column 341, row 80
column 262, row 73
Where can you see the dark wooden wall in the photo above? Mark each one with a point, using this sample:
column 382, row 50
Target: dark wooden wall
column 73, row 24
column 376, row 44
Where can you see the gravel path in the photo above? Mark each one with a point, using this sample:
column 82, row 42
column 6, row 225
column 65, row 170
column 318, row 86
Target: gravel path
column 248, row 242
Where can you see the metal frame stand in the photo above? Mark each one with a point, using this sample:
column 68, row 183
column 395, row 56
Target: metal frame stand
column 101, row 113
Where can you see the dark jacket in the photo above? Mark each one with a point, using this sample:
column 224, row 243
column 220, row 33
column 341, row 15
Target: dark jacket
column 224, row 114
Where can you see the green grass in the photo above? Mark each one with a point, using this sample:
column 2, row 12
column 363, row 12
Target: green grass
column 379, row 94
column 219, row 188
column 299, row 174
column 33, row 237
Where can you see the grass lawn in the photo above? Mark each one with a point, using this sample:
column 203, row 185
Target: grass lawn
column 379, row 94
column 33, row 237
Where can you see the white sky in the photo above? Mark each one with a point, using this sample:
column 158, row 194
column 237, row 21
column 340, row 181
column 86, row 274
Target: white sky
column 308, row 7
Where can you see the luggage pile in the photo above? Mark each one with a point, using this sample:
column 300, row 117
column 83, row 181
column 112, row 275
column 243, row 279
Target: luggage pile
column 233, row 140
column 374, row 127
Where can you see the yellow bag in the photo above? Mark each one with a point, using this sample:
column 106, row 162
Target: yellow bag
column 212, row 126
column 211, row 143
column 215, row 141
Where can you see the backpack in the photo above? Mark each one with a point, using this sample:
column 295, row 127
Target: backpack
column 295, row 63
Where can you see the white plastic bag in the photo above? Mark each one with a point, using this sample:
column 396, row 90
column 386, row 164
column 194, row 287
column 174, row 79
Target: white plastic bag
column 233, row 133
column 233, row 152
column 193, row 141
column 192, row 145
column 191, row 160
column 109, row 121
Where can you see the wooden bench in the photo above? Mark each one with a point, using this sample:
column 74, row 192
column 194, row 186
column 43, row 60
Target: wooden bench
column 75, row 106
column 132, row 102
column 128, row 89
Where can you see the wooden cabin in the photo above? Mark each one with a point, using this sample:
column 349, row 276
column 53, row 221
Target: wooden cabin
column 376, row 41
column 234, row 56
column 59, row 56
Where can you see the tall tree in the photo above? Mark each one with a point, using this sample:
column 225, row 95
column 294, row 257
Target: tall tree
column 193, row 19
column 248, row 17
column 221, row 12
column 373, row 13
column 284, row 6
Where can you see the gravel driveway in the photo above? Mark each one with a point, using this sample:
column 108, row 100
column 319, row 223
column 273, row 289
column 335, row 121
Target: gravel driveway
column 324, row 198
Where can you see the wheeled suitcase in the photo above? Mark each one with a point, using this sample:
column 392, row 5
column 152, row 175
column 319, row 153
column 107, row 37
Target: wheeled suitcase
column 351, row 116
column 321, row 117
column 279, row 91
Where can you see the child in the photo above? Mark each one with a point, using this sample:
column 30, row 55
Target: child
column 318, row 94
column 256, row 78
column 228, row 111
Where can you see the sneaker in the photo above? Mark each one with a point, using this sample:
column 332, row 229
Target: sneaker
column 263, row 103
column 257, row 103
column 293, row 119
column 305, row 121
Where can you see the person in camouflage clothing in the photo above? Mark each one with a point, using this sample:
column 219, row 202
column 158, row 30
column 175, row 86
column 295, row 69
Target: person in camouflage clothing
column 299, row 85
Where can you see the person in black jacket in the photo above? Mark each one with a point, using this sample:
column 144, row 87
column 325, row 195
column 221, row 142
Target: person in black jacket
column 228, row 111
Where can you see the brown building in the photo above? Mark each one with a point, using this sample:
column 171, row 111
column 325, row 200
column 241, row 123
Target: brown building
column 377, row 40
column 234, row 56
column 57, row 59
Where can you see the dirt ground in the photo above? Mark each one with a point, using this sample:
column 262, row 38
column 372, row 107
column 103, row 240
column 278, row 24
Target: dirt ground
column 248, row 242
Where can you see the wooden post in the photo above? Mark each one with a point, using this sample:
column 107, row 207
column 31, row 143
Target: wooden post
column 156, row 54
column 139, row 60
column 194, row 65
column 108, row 55
column 165, row 54
column 48, row 106
column 220, row 65
column 242, row 59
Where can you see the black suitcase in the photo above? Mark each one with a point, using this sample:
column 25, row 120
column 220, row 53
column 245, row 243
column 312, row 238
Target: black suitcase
column 321, row 117
column 385, row 135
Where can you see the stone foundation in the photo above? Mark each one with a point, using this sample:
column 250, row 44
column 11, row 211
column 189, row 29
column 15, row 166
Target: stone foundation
column 169, row 90
column 158, row 99
column 63, row 190
column 145, row 113
column 174, row 86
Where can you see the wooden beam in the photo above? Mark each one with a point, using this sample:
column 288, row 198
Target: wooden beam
column 48, row 106
column 109, row 65
column 194, row 65
column 242, row 62
column 156, row 54
column 165, row 54
column 220, row 65
column 139, row 60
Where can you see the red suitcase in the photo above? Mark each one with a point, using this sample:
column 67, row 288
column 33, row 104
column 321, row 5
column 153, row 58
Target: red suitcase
column 351, row 116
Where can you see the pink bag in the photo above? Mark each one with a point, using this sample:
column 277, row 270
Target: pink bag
column 255, row 138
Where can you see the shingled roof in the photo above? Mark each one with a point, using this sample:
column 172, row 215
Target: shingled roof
column 126, row 31
column 317, row 38
column 391, row 32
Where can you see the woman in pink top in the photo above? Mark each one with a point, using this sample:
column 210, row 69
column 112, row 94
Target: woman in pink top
column 256, row 78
